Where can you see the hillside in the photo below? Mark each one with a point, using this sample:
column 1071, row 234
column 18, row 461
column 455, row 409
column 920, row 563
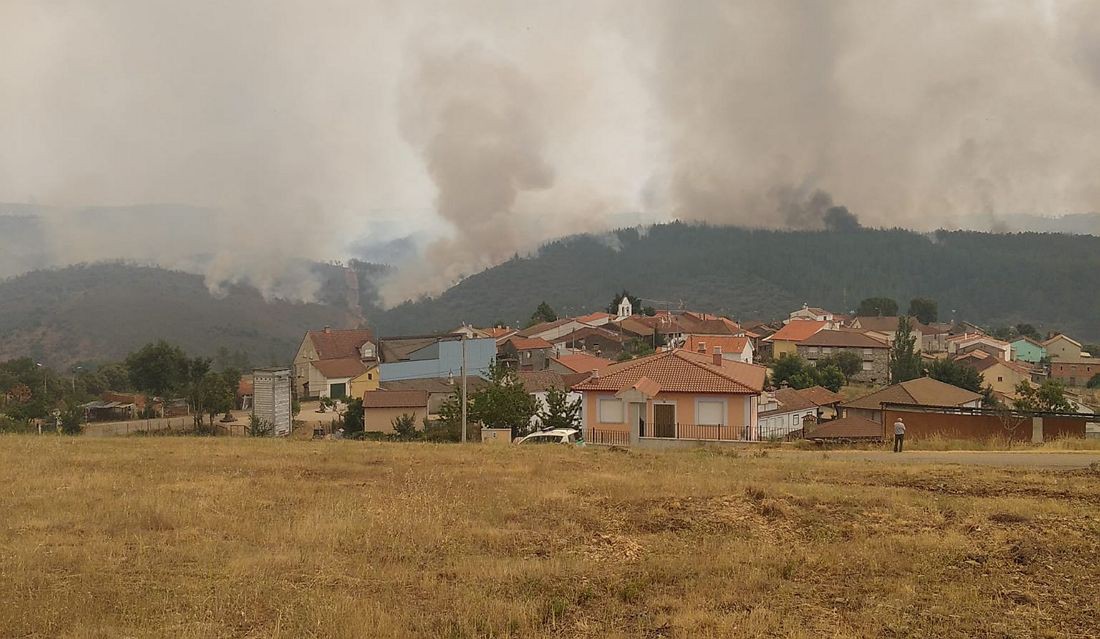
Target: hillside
column 103, row 311
column 1046, row 279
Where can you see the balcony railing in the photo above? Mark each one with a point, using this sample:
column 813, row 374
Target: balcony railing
column 607, row 437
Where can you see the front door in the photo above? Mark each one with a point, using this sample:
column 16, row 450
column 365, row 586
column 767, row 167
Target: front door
column 664, row 420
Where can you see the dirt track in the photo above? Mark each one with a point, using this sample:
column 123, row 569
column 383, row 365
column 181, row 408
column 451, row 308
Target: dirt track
column 1044, row 459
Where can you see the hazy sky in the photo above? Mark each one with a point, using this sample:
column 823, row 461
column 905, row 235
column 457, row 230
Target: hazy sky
column 488, row 127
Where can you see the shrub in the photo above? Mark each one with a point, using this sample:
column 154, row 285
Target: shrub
column 404, row 427
column 259, row 427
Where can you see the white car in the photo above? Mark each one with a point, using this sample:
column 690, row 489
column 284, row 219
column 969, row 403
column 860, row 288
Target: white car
column 554, row 436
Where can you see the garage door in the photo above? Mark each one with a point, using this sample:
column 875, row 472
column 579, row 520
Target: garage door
column 338, row 390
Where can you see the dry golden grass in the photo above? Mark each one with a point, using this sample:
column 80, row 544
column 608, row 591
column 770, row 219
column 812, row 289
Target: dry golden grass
column 183, row 537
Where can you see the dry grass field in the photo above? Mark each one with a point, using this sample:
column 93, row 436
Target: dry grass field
column 229, row 537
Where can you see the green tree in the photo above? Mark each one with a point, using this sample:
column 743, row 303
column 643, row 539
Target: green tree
column 259, row 427
column 217, row 395
column 503, row 402
column 877, row 307
column 787, row 367
column 849, row 363
column 353, row 416
column 1028, row 330
column 71, row 419
column 543, row 314
column 828, row 375
column 159, row 368
column 957, row 374
column 1094, row 382
column 1050, row 396
column 196, row 386
column 404, row 427
column 560, row 411
column 905, row 362
column 924, row 309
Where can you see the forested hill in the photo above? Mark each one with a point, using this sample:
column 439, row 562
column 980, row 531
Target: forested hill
column 1049, row 280
column 103, row 311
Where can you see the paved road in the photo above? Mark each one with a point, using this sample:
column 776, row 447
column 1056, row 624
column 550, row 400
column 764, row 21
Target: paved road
column 1044, row 459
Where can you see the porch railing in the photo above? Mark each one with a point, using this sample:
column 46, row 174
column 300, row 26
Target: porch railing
column 607, row 437
column 722, row 432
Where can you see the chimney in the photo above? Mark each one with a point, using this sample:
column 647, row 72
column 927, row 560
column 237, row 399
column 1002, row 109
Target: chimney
column 595, row 373
column 717, row 356
column 328, row 329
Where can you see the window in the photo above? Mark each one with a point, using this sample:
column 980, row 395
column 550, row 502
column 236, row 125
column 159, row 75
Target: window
column 867, row 352
column 611, row 411
column 813, row 350
column 709, row 411
column 867, row 366
column 825, row 350
column 1000, row 379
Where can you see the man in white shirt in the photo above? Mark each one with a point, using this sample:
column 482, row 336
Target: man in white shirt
column 899, row 435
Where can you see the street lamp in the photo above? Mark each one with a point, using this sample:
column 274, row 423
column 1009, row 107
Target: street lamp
column 75, row 369
column 39, row 365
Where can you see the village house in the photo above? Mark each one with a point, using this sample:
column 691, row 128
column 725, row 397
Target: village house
column 1001, row 376
column 423, row 356
column 674, row 394
column 593, row 339
column 970, row 342
column 550, row 331
column 327, row 360
column 733, row 348
column 923, row 391
column 1061, row 346
column 783, row 413
column 874, row 354
column 885, row 328
column 439, row 389
column 365, row 382
column 1025, row 349
column 813, row 314
column 381, row 408
column 787, row 339
column 525, row 353
column 1076, row 371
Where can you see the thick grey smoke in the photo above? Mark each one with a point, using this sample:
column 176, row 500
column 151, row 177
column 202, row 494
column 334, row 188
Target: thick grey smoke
column 285, row 130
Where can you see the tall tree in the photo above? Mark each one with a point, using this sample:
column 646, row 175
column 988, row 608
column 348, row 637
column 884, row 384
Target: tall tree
column 158, row 369
column 877, row 307
column 905, row 362
column 543, row 314
column 924, row 309
column 848, row 362
column 560, row 411
column 503, row 402
column 1028, row 330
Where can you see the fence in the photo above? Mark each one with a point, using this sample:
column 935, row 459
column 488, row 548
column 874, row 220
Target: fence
column 607, row 437
column 696, row 432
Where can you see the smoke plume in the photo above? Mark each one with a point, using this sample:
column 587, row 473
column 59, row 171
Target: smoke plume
column 284, row 131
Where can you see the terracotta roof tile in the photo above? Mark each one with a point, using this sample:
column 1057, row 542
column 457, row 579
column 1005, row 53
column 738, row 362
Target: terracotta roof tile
column 529, row 343
column 728, row 343
column 680, row 371
column 844, row 338
column 797, row 330
column 336, row 344
column 821, row 396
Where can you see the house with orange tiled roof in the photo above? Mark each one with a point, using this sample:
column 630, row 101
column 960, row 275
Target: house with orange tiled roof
column 672, row 395
column 737, row 348
column 525, row 353
column 787, row 339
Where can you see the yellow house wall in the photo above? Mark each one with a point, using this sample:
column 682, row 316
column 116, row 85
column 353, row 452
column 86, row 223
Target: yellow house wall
column 1008, row 379
column 366, row 382
column 782, row 346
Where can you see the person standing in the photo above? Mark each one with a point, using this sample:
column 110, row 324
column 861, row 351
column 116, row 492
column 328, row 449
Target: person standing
column 899, row 435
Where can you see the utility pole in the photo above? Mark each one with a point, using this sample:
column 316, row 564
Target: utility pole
column 464, row 388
